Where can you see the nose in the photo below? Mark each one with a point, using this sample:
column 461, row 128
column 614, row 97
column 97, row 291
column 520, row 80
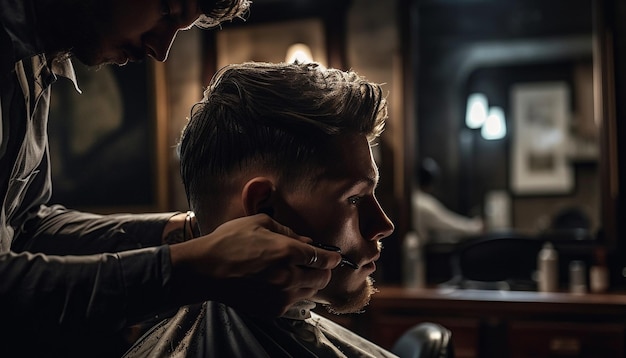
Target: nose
column 158, row 42
column 375, row 224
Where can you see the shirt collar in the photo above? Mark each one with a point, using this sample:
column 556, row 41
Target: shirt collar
column 62, row 66
column 17, row 22
column 300, row 310
column 17, row 17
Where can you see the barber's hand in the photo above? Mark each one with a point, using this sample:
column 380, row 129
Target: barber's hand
column 251, row 263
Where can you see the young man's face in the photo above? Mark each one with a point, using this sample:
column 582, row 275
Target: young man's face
column 342, row 210
column 118, row 31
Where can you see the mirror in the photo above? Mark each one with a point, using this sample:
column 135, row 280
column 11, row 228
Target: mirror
column 534, row 62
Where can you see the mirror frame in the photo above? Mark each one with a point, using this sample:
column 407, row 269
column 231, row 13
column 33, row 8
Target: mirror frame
column 610, row 49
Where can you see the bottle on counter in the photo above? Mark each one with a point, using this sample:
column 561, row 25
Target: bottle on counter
column 577, row 277
column 599, row 272
column 548, row 269
column 413, row 267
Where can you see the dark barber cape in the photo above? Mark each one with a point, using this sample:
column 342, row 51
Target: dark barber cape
column 212, row 329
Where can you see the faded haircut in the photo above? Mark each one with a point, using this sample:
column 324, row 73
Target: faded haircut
column 278, row 117
column 217, row 11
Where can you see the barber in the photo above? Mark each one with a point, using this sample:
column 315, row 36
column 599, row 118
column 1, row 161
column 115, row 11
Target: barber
column 67, row 276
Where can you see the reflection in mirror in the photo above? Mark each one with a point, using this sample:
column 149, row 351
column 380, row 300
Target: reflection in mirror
column 533, row 65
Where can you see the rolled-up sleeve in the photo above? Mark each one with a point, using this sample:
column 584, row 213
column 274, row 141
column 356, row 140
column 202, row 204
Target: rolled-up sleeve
column 80, row 270
column 56, row 230
column 60, row 295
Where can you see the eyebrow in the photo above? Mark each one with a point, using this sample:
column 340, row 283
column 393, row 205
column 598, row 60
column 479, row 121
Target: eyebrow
column 375, row 179
column 368, row 181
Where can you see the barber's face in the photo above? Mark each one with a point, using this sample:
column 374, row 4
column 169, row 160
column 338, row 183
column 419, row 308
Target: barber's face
column 342, row 210
column 118, row 31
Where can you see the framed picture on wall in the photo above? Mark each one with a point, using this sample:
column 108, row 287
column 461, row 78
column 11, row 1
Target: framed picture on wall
column 539, row 155
column 106, row 143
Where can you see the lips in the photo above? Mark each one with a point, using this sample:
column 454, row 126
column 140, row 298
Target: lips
column 373, row 259
column 370, row 264
column 133, row 55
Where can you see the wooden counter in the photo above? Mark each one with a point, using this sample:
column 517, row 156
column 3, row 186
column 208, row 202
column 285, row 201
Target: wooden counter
column 503, row 323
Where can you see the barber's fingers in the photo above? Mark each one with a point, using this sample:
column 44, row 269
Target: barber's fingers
column 272, row 303
column 318, row 258
column 269, row 223
column 283, row 287
column 313, row 280
column 301, row 252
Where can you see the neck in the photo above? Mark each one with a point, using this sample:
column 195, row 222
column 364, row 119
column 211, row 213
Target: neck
column 299, row 310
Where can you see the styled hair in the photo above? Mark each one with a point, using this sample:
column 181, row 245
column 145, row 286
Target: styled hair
column 217, row 11
column 278, row 117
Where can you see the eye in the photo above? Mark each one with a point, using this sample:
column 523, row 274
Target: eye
column 165, row 8
column 354, row 200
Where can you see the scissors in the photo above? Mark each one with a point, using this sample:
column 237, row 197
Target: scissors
column 344, row 260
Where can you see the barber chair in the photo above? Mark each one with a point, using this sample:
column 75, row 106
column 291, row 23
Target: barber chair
column 499, row 261
column 425, row 340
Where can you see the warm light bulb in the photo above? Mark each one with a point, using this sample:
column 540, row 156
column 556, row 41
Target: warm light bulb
column 476, row 112
column 299, row 52
column 494, row 126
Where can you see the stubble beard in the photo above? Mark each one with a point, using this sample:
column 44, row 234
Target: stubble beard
column 355, row 301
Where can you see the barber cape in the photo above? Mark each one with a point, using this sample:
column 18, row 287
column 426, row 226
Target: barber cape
column 213, row 329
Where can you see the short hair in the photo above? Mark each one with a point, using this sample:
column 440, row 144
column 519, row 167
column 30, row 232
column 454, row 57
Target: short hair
column 274, row 116
column 214, row 12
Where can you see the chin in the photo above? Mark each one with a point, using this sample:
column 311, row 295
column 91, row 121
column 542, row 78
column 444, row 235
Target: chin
column 90, row 55
column 86, row 60
column 352, row 301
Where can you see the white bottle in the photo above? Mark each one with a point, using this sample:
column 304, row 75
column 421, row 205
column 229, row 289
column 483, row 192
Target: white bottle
column 598, row 278
column 413, row 270
column 599, row 272
column 577, row 277
column 548, row 269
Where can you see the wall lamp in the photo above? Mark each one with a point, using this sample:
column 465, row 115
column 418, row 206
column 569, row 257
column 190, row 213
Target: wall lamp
column 299, row 52
column 490, row 120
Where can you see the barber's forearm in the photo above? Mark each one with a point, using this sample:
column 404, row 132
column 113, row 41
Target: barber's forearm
column 174, row 231
column 60, row 231
column 97, row 292
column 180, row 228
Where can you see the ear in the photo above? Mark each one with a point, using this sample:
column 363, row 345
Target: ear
column 258, row 196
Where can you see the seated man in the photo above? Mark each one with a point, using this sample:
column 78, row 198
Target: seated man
column 431, row 219
column 292, row 141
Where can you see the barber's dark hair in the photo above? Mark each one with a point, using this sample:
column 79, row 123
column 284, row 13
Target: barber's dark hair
column 217, row 11
column 274, row 116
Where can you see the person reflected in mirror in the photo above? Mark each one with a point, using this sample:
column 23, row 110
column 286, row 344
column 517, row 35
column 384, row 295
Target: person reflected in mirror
column 432, row 220
column 292, row 141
